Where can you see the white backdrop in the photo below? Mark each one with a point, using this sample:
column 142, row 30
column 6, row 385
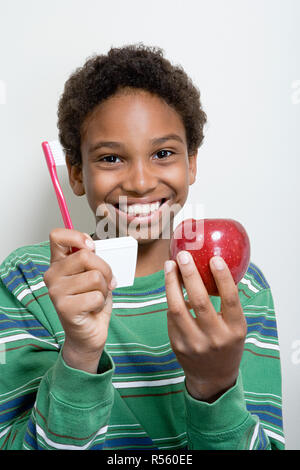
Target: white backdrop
column 244, row 55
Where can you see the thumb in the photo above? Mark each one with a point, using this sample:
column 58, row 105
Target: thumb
column 107, row 309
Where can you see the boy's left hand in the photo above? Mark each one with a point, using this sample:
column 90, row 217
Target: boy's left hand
column 210, row 346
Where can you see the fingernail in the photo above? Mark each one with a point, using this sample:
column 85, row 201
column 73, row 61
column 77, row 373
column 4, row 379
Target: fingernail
column 218, row 263
column 113, row 283
column 168, row 266
column 90, row 244
column 184, row 257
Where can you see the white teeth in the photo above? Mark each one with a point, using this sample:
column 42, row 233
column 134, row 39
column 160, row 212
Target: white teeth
column 155, row 206
column 140, row 209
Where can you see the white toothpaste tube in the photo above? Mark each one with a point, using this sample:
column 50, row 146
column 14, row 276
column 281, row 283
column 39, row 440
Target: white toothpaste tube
column 121, row 255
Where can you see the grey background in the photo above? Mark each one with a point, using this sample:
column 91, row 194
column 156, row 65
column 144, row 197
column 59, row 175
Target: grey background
column 244, row 57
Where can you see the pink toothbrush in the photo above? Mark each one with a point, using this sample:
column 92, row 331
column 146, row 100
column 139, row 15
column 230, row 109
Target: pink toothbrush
column 55, row 157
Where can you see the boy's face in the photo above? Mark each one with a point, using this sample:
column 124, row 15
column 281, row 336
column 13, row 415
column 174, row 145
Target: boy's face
column 131, row 164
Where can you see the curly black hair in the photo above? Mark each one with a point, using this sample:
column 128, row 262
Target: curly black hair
column 136, row 66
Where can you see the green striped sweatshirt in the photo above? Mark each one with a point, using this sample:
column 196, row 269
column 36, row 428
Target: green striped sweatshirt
column 138, row 399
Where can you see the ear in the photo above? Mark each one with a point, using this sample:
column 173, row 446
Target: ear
column 192, row 160
column 75, row 178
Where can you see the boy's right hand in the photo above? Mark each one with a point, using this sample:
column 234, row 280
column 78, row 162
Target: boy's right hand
column 80, row 290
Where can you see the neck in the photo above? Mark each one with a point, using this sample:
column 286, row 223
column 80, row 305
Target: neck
column 151, row 257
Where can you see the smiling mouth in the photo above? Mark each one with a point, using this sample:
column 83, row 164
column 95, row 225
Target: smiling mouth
column 140, row 210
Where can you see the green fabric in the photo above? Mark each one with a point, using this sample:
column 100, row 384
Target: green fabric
column 138, row 399
column 68, row 384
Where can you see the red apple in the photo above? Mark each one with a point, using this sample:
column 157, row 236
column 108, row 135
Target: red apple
column 205, row 238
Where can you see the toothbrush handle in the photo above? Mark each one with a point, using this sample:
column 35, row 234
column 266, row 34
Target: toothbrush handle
column 57, row 188
column 62, row 204
column 61, row 199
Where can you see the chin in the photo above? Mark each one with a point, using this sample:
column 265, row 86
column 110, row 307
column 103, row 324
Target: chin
column 145, row 237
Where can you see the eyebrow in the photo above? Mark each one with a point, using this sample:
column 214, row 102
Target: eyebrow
column 155, row 141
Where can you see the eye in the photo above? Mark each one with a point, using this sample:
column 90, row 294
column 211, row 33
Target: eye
column 109, row 157
column 164, row 154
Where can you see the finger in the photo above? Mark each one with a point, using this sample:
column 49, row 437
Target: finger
column 62, row 239
column 94, row 302
column 228, row 291
column 85, row 303
column 84, row 282
column 177, row 309
column 197, row 293
column 106, row 311
column 84, row 260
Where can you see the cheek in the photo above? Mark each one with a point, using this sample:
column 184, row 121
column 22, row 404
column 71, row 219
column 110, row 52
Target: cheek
column 97, row 185
column 178, row 177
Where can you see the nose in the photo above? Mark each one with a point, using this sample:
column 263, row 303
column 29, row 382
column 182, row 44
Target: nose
column 140, row 178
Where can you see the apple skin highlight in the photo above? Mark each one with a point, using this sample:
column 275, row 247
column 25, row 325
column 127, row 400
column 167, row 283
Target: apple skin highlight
column 206, row 238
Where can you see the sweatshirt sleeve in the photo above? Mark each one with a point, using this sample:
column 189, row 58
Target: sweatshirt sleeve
column 72, row 408
column 44, row 403
column 249, row 415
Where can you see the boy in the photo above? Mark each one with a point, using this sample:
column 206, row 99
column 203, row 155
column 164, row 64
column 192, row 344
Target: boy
column 93, row 366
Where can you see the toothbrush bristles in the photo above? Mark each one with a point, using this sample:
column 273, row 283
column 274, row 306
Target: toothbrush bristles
column 57, row 152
